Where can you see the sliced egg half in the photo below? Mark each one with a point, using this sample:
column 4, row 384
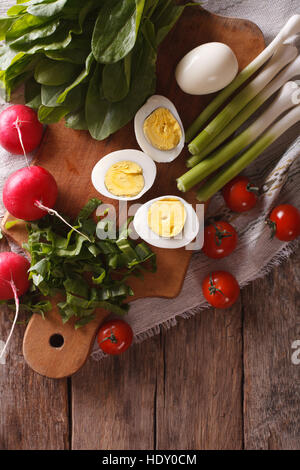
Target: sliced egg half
column 159, row 130
column 138, row 158
column 185, row 225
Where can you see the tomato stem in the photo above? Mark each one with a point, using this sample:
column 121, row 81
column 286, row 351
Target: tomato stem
column 253, row 189
column 273, row 227
column 220, row 234
column 212, row 288
column 111, row 337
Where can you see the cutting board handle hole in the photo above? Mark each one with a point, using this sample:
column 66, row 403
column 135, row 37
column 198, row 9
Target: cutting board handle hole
column 56, row 340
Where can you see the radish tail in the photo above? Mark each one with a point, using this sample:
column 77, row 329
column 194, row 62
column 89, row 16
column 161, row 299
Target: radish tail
column 17, row 126
column 17, row 303
column 54, row 212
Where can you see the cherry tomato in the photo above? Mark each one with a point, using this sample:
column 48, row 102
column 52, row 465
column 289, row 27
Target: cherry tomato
column 114, row 337
column 221, row 289
column 220, row 239
column 285, row 222
column 240, row 195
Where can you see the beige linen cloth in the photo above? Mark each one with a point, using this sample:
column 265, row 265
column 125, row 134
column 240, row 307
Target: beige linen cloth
column 277, row 171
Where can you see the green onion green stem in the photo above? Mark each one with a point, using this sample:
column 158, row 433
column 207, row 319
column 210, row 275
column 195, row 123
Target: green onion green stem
column 282, row 57
column 292, row 27
column 217, row 182
column 291, row 71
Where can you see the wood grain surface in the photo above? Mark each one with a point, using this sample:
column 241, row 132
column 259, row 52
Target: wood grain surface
column 220, row 380
column 227, row 376
column 71, row 155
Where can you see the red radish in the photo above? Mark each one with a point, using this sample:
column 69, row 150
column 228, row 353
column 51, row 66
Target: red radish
column 30, row 193
column 13, row 269
column 27, row 187
column 20, row 129
column 13, row 283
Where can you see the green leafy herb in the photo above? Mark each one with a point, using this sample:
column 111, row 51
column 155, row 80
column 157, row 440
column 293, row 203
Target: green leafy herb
column 106, row 48
column 87, row 274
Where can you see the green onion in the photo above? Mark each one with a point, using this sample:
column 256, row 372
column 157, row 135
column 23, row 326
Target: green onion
column 217, row 182
column 282, row 57
column 291, row 28
column 282, row 103
column 291, row 71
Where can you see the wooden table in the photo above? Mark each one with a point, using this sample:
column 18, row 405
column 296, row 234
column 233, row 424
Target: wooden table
column 221, row 380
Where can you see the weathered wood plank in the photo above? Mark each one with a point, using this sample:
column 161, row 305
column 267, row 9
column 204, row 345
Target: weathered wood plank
column 199, row 391
column 34, row 410
column 113, row 401
column 179, row 390
column 272, row 382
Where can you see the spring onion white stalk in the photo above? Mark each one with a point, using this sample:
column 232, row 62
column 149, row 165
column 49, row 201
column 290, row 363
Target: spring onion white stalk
column 280, row 59
column 290, row 72
column 291, row 28
column 286, row 99
column 217, row 182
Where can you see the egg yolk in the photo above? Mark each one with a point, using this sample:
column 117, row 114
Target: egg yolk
column 125, row 179
column 166, row 217
column 162, row 130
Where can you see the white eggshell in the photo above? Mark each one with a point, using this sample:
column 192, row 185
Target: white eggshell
column 103, row 165
column 187, row 235
column 206, row 69
column 161, row 156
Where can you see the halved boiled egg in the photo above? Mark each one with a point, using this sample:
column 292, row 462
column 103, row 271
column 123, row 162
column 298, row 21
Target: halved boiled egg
column 167, row 222
column 159, row 130
column 124, row 175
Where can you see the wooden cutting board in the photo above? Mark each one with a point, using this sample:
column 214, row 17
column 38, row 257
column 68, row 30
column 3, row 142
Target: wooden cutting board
column 70, row 156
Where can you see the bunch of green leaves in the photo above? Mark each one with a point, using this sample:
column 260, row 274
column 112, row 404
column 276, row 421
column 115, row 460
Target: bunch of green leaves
column 92, row 63
column 89, row 270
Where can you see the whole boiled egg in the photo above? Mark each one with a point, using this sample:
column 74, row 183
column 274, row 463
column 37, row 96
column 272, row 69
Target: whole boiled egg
column 124, row 175
column 167, row 222
column 206, row 69
column 159, row 130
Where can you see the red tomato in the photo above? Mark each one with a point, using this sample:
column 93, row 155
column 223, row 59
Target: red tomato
column 114, row 337
column 220, row 288
column 240, row 195
column 285, row 222
column 220, row 239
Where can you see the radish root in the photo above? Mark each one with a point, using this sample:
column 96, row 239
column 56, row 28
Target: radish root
column 17, row 303
column 55, row 213
column 17, row 126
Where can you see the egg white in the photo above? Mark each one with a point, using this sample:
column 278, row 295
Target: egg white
column 206, row 69
column 102, row 166
column 186, row 236
column 161, row 156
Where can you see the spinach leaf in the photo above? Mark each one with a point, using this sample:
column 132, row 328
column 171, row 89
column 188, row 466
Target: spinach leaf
column 23, row 25
column 105, row 118
column 47, row 9
column 5, row 24
column 33, row 94
column 76, row 52
column 115, row 81
column 116, row 30
column 81, row 77
column 28, row 39
column 76, row 120
column 74, row 100
column 50, row 115
column 165, row 22
column 54, row 73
